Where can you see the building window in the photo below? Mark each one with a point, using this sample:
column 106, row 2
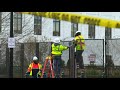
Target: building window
column 0, row 21
column 37, row 25
column 17, row 23
column 56, row 27
column 74, row 28
column 91, row 31
column 108, row 32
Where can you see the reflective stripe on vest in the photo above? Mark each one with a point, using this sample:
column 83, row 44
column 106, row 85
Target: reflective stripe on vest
column 81, row 43
column 32, row 68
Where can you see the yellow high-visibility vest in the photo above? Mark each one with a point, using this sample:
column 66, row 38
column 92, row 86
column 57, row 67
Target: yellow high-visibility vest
column 31, row 67
column 80, row 41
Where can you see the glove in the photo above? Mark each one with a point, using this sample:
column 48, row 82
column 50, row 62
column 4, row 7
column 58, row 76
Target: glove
column 75, row 44
column 68, row 47
column 39, row 73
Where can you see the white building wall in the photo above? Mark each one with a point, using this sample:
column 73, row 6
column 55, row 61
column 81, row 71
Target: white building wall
column 27, row 24
column 47, row 27
column 99, row 32
column 65, row 30
column 84, row 30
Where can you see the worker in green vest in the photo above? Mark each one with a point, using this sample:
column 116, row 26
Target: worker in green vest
column 57, row 51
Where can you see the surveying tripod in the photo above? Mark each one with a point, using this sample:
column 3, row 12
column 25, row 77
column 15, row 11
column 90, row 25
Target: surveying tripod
column 48, row 60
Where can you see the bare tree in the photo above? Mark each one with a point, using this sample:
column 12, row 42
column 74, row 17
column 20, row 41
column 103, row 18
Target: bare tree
column 30, row 49
column 5, row 30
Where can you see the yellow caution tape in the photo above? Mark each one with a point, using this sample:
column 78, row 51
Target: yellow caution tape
column 77, row 18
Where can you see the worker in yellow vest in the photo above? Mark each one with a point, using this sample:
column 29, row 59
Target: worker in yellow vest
column 57, row 50
column 35, row 68
column 79, row 49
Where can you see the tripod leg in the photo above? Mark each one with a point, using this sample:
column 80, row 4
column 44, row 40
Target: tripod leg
column 46, row 61
column 51, row 68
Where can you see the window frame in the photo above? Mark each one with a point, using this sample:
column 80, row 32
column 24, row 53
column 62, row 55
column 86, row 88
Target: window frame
column 17, row 17
column 55, row 31
column 37, row 25
column 73, row 27
column 108, row 33
column 91, row 33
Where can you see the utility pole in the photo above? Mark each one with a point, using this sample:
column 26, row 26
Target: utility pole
column 11, row 49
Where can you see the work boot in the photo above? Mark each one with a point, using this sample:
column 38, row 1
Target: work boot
column 57, row 76
column 103, row 75
column 62, row 75
column 44, row 75
column 82, row 75
column 77, row 66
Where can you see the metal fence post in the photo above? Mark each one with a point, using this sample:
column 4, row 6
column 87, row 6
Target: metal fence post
column 103, row 73
column 7, row 60
column 72, row 63
column 37, row 50
column 11, row 49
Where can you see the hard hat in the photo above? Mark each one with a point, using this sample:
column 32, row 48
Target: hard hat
column 57, row 40
column 35, row 58
column 78, row 32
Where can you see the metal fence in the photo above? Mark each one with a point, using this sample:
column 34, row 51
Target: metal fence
column 23, row 53
column 113, row 58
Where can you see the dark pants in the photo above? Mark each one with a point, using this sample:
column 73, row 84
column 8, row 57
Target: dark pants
column 57, row 65
column 79, row 58
column 34, row 73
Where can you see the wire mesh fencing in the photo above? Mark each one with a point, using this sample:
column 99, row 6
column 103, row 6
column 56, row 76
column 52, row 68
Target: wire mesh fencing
column 104, row 63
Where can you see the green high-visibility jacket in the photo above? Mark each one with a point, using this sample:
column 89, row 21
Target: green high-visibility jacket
column 57, row 50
